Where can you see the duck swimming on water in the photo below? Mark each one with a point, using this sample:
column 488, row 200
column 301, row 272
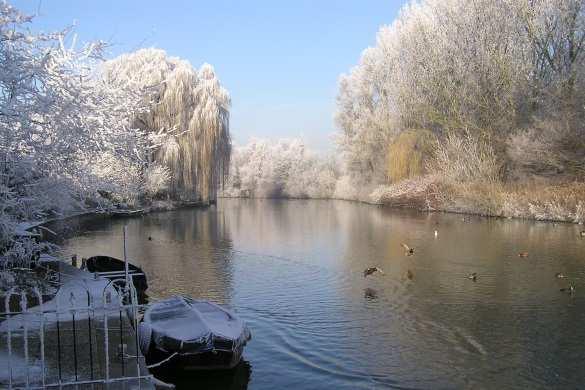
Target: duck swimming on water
column 409, row 250
column 371, row 270
column 472, row 276
column 560, row 275
column 370, row 293
column 571, row 289
column 523, row 254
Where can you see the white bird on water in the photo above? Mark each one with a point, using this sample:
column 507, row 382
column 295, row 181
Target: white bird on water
column 436, row 233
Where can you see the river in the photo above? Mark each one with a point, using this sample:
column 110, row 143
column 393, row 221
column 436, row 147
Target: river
column 294, row 271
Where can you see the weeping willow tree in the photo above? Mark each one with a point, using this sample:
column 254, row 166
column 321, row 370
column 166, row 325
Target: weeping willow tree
column 187, row 119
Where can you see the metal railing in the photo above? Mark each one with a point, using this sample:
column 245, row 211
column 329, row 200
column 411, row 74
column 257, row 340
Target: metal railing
column 82, row 336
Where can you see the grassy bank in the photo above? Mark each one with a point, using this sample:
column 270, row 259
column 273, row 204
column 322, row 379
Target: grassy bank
column 563, row 202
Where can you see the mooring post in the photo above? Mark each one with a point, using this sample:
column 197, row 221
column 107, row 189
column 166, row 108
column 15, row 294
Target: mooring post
column 106, row 339
column 41, row 333
column 125, row 262
column 90, row 344
column 9, row 336
column 23, row 309
column 121, row 350
column 58, row 343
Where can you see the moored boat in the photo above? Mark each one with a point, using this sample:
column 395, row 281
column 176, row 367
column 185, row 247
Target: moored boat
column 120, row 213
column 187, row 334
column 112, row 268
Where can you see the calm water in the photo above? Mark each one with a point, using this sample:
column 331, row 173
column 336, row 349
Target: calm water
column 293, row 271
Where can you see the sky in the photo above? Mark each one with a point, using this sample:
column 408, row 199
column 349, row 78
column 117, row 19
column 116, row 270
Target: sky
column 280, row 60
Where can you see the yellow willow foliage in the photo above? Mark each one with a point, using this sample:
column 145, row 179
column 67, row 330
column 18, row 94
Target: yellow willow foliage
column 190, row 109
column 409, row 153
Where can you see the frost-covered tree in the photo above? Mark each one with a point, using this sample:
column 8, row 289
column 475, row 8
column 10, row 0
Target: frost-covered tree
column 494, row 69
column 57, row 116
column 55, row 112
column 281, row 169
column 188, row 118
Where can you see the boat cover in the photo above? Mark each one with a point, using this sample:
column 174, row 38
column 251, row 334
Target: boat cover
column 188, row 326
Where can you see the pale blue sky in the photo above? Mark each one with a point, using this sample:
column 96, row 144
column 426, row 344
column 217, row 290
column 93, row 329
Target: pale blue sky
column 280, row 60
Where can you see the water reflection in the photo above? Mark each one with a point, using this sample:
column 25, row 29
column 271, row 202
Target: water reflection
column 237, row 378
column 294, row 271
column 182, row 252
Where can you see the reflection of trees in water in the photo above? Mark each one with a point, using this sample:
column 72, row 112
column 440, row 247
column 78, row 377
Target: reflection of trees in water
column 71, row 227
column 280, row 227
column 234, row 379
column 190, row 253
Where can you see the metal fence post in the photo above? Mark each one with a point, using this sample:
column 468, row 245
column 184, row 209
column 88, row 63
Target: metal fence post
column 25, row 336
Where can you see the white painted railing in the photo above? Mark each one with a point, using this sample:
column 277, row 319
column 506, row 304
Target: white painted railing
column 86, row 334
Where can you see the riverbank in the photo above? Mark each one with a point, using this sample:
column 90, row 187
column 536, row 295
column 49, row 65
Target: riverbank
column 27, row 238
column 24, row 228
column 531, row 201
column 564, row 202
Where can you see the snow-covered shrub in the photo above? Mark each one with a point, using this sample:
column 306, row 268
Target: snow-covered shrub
column 353, row 187
column 466, row 158
column 345, row 189
column 548, row 148
column 15, row 250
column 120, row 177
column 417, row 192
column 157, row 180
column 578, row 216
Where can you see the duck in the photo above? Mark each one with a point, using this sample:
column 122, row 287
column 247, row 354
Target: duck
column 560, row 275
column 409, row 250
column 149, row 238
column 370, row 293
column 409, row 275
column 371, row 270
column 472, row 276
column 523, row 254
column 436, row 233
column 571, row 289
column 582, row 233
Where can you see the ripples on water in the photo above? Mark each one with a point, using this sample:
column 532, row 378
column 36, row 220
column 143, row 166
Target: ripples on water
column 293, row 270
